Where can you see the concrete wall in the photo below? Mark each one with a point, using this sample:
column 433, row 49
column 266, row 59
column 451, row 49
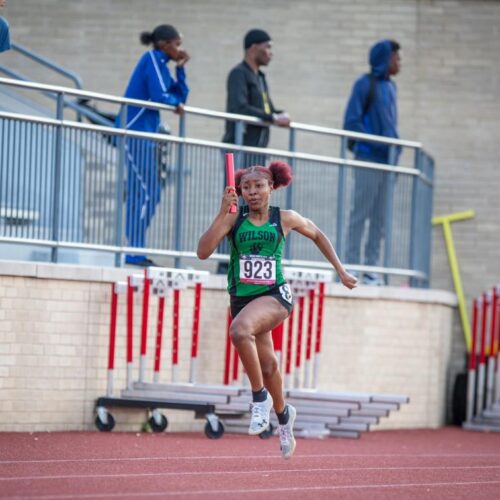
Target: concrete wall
column 54, row 327
column 449, row 88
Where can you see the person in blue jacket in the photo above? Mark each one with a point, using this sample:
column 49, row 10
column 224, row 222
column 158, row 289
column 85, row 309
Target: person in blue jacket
column 150, row 81
column 372, row 109
column 4, row 30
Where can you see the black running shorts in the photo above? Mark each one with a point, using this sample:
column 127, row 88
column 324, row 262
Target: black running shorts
column 281, row 293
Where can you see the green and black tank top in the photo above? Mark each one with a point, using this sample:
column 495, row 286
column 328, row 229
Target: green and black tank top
column 255, row 260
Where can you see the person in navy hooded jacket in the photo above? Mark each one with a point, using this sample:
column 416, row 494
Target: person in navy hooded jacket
column 372, row 109
column 150, row 81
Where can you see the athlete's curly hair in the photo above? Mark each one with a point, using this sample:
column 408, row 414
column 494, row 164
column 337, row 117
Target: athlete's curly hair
column 278, row 172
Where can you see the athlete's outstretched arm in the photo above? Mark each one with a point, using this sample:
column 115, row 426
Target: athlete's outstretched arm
column 293, row 221
column 220, row 226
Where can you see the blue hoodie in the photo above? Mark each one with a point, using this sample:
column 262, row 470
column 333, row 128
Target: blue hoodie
column 381, row 117
column 151, row 81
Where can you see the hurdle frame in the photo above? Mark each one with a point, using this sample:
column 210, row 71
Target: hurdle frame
column 483, row 381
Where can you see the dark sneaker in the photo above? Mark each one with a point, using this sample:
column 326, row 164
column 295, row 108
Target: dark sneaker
column 140, row 261
column 373, row 279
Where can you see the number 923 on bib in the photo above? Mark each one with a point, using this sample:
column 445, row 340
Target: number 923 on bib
column 257, row 269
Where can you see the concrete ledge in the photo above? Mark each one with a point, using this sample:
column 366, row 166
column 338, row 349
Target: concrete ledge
column 406, row 294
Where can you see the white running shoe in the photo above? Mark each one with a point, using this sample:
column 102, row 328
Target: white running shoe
column 287, row 441
column 260, row 416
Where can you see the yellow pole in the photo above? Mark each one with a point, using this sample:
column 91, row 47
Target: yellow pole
column 446, row 221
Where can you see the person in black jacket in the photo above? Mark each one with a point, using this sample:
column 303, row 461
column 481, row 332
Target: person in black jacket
column 248, row 94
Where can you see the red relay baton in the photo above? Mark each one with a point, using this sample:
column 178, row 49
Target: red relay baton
column 230, row 177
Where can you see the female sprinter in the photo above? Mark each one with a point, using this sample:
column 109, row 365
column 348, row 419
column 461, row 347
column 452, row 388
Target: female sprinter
column 259, row 296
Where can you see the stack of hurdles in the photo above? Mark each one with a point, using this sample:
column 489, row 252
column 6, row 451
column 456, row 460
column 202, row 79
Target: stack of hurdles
column 483, row 383
column 319, row 413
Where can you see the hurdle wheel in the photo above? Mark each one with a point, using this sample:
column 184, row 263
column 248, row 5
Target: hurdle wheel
column 155, row 427
column 267, row 433
column 211, row 434
column 108, row 427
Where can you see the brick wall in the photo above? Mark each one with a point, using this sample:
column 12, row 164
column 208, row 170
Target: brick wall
column 54, row 345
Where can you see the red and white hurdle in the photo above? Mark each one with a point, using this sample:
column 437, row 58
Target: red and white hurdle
column 308, row 288
column 483, row 382
column 160, row 282
column 306, row 284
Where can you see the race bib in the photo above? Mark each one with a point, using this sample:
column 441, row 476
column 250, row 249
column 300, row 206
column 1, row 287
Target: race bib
column 257, row 269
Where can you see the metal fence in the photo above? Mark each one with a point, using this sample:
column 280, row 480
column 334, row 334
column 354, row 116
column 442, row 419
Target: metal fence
column 63, row 185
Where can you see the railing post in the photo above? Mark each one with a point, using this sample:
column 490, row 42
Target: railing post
column 415, row 203
column 389, row 202
column 238, row 141
column 120, row 186
column 429, row 173
column 56, row 195
column 179, row 191
column 339, row 238
column 289, row 190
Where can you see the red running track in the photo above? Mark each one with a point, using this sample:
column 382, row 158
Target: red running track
column 411, row 464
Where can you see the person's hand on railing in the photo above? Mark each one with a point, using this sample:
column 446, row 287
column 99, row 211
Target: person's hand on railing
column 281, row 119
column 182, row 58
column 179, row 110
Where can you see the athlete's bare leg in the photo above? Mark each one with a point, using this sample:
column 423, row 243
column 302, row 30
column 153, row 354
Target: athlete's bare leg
column 270, row 372
column 250, row 334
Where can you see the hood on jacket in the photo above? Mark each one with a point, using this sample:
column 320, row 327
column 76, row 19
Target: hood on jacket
column 380, row 57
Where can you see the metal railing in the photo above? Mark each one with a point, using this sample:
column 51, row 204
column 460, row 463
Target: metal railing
column 63, row 184
column 47, row 63
column 77, row 106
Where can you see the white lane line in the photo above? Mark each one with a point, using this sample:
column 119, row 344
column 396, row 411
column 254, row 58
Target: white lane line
column 254, row 457
column 248, row 491
column 243, row 472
